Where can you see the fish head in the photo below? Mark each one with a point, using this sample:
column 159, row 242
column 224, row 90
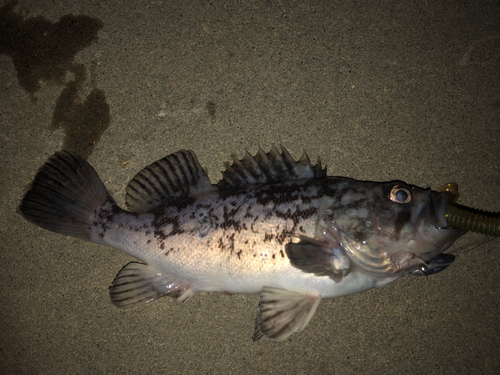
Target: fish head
column 390, row 228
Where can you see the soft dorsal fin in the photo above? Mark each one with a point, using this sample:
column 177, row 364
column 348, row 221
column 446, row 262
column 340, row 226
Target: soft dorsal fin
column 268, row 168
column 175, row 176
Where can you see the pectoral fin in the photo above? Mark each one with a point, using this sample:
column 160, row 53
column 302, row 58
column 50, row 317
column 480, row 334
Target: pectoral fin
column 319, row 258
column 138, row 283
column 282, row 313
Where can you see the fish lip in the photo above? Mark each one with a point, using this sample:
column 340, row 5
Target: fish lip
column 440, row 203
column 432, row 215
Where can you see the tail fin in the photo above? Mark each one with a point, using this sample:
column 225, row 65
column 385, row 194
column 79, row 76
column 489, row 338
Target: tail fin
column 65, row 195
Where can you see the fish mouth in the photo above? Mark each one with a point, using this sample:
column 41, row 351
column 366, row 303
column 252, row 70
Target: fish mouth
column 434, row 212
column 433, row 233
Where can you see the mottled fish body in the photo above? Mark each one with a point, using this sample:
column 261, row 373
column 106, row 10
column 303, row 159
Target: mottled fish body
column 272, row 225
column 233, row 242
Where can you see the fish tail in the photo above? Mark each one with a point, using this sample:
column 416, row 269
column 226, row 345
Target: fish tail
column 66, row 197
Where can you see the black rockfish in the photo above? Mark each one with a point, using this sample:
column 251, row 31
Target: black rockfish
column 272, row 225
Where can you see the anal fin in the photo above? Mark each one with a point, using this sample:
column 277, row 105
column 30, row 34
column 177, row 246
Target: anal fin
column 282, row 313
column 138, row 283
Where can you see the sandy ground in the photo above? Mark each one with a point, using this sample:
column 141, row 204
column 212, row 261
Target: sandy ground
column 404, row 90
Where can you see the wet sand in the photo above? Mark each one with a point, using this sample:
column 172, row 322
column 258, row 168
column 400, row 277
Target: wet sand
column 380, row 90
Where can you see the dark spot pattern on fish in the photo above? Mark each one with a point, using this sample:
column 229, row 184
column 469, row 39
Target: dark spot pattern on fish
column 160, row 222
column 402, row 219
column 169, row 251
column 268, row 237
column 283, row 236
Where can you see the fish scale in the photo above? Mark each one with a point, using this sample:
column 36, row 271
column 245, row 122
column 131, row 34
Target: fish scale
column 235, row 235
column 272, row 225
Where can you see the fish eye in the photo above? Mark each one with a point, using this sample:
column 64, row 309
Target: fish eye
column 400, row 194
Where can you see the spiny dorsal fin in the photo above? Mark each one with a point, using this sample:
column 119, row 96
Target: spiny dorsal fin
column 175, row 176
column 268, row 168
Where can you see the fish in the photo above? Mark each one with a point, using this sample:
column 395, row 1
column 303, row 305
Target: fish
column 272, row 226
